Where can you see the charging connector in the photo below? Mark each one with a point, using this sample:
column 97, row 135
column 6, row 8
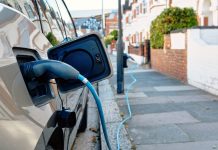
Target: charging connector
column 51, row 69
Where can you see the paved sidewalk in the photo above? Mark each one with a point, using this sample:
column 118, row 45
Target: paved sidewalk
column 112, row 118
column 89, row 140
column 168, row 115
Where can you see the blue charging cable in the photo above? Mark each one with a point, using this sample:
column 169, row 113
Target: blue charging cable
column 129, row 109
column 99, row 106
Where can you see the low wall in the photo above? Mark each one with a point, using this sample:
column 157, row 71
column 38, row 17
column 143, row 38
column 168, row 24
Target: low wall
column 203, row 58
column 191, row 56
column 141, row 54
column 172, row 62
column 136, row 50
column 137, row 53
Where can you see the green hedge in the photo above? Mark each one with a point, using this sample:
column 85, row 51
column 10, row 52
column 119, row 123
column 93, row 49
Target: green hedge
column 171, row 19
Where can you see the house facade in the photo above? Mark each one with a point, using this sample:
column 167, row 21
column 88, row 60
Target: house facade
column 111, row 22
column 207, row 10
column 137, row 18
column 139, row 14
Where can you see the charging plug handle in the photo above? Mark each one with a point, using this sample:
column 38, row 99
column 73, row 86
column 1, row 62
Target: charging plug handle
column 51, row 68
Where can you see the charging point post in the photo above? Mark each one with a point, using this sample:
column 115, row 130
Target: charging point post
column 120, row 75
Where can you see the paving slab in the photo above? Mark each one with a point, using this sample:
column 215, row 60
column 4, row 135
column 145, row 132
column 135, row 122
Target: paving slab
column 148, row 79
column 131, row 95
column 193, row 98
column 175, row 88
column 144, row 120
column 203, row 111
column 151, row 108
column 158, row 134
column 206, row 145
column 167, row 99
column 176, row 93
column 136, row 71
column 135, row 89
column 201, row 131
column 143, row 101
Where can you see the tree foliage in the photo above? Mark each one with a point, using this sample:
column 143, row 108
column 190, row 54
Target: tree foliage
column 114, row 33
column 108, row 39
column 52, row 39
column 171, row 19
column 111, row 37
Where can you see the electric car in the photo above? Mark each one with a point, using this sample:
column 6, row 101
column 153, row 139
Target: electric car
column 31, row 109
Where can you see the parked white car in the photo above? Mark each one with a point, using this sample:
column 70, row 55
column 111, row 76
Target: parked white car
column 28, row 115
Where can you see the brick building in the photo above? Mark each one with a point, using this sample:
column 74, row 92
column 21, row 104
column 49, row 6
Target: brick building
column 111, row 22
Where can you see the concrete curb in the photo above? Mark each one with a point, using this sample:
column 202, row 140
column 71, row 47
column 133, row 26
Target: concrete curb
column 89, row 140
column 112, row 117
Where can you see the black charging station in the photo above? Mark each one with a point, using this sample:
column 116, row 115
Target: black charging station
column 87, row 55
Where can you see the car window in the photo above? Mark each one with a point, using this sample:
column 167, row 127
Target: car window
column 54, row 21
column 62, row 16
column 29, row 10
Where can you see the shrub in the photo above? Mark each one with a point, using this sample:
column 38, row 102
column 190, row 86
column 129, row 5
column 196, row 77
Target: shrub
column 52, row 39
column 171, row 19
column 114, row 33
column 111, row 37
column 108, row 39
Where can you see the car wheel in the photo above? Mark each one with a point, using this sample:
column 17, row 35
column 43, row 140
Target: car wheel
column 84, row 121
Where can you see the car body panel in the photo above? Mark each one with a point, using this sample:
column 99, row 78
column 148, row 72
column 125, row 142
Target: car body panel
column 23, row 125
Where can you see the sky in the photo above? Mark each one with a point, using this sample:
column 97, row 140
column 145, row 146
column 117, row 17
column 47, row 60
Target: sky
column 75, row 5
column 91, row 4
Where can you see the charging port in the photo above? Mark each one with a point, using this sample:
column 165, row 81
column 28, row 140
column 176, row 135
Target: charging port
column 39, row 90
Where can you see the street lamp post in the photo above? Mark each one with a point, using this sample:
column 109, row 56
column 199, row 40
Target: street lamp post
column 120, row 76
column 103, row 17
